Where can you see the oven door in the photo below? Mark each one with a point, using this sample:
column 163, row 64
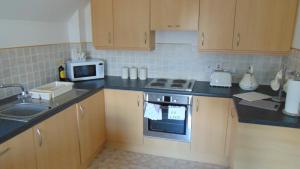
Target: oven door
column 169, row 128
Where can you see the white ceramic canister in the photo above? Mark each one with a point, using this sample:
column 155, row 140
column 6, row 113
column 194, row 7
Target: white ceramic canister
column 143, row 73
column 125, row 73
column 133, row 73
column 292, row 103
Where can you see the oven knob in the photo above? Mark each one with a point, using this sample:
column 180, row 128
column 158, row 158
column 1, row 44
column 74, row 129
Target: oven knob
column 174, row 101
column 158, row 99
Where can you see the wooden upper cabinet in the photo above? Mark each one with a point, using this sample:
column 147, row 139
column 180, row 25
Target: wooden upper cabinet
column 209, row 129
column 102, row 21
column 18, row 152
column 91, row 125
column 264, row 25
column 132, row 24
column 174, row 15
column 56, row 141
column 216, row 24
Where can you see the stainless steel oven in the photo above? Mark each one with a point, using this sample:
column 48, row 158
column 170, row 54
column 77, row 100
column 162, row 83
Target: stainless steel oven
column 165, row 127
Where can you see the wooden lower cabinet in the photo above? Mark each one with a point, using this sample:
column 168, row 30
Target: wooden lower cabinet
column 209, row 129
column 18, row 152
column 266, row 147
column 56, row 141
column 124, row 116
column 91, row 126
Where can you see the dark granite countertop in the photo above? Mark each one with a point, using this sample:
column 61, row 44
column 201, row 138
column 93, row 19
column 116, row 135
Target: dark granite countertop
column 9, row 129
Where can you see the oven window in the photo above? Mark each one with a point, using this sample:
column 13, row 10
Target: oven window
column 84, row 71
column 167, row 125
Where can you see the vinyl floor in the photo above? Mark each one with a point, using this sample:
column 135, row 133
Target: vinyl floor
column 118, row 159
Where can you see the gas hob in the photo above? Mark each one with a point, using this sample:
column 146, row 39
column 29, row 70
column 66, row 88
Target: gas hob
column 171, row 84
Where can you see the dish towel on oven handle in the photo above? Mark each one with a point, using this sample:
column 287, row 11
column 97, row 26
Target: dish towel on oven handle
column 153, row 111
column 176, row 113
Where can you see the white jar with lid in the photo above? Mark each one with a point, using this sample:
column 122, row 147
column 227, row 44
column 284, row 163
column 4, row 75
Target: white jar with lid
column 133, row 73
column 143, row 73
column 125, row 72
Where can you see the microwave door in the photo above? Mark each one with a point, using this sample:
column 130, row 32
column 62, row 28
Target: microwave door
column 84, row 71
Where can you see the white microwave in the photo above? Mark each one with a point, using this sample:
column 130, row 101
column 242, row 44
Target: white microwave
column 85, row 70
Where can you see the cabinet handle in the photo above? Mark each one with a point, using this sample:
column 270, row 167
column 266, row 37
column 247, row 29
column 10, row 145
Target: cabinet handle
column 138, row 101
column 109, row 37
column 170, row 26
column 238, row 39
column 146, row 37
column 81, row 108
column 4, row 151
column 177, row 26
column 40, row 137
column 202, row 39
column 197, row 107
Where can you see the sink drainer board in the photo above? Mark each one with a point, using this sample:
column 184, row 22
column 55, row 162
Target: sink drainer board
column 262, row 104
column 51, row 90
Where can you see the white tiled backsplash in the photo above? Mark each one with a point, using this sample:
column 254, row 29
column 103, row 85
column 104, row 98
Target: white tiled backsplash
column 31, row 66
column 184, row 61
column 34, row 66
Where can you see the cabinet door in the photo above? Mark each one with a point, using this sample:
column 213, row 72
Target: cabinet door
column 231, row 133
column 174, row 15
column 132, row 24
column 124, row 116
column 209, row 127
column 264, row 25
column 18, row 152
column 102, row 19
column 216, row 24
column 91, row 124
column 56, row 141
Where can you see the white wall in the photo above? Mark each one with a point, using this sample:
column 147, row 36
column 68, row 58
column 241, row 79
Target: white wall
column 79, row 25
column 16, row 33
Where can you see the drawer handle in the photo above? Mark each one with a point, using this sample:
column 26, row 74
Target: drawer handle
column 202, row 39
column 4, row 151
column 146, row 38
column 40, row 137
column 238, row 39
column 138, row 101
column 109, row 37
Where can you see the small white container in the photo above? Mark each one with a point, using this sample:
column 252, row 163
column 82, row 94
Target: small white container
column 125, row 73
column 143, row 73
column 133, row 73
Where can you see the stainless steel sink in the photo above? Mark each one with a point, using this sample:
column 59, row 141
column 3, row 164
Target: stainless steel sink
column 22, row 111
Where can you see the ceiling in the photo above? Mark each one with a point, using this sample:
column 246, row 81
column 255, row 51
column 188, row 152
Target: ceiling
column 38, row 10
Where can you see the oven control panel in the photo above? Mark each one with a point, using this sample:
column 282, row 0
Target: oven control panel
column 168, row 98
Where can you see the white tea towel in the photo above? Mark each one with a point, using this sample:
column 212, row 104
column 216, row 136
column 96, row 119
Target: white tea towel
column 176, row 113
column 153, row 111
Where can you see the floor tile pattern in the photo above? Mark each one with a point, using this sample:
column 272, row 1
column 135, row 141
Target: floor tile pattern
column 117, row 159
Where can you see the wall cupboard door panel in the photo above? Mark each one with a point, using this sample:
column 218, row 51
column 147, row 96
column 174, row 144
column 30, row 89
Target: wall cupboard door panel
column 209, row 128
column 18, row 152
column 102, row 21
column 132, row 24
column 56, row 141
column 264, row 25
column 91, row 125
column 124, row 116
column 216, row 24
column 174, row 15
